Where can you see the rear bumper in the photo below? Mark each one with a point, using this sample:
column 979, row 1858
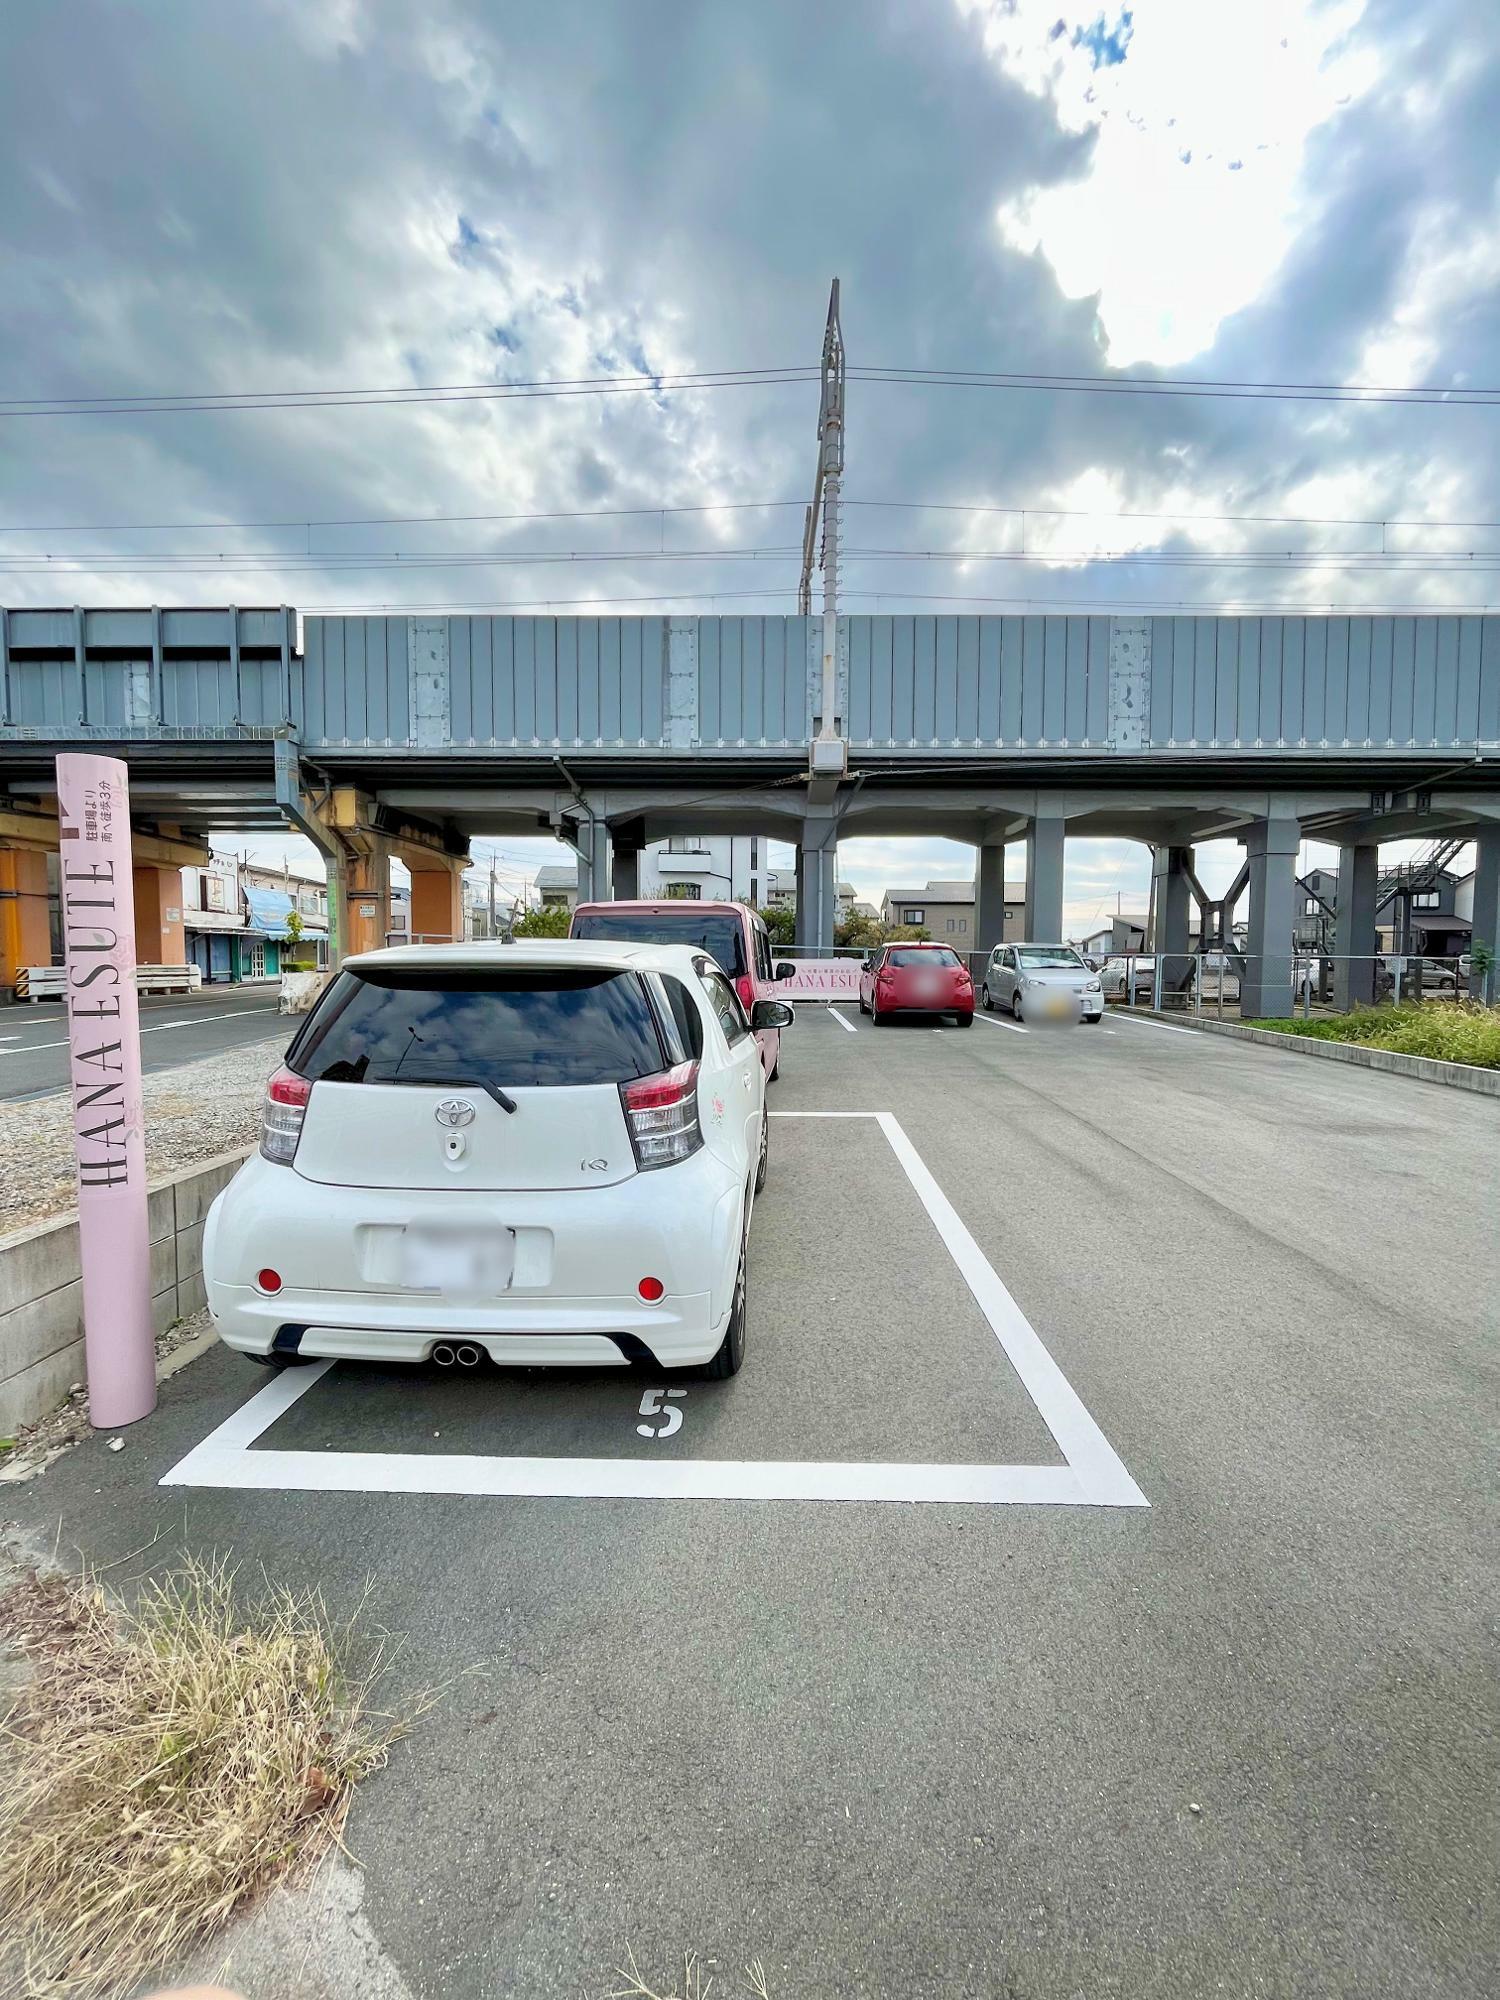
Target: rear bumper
column 581, row 1253
column 581, row 1333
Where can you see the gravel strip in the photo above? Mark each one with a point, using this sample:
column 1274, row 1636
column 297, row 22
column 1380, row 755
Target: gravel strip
column 193, row 1113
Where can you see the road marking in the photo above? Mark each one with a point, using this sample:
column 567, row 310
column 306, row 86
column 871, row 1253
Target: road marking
column 1165, row 1026
column 995, row 1022
column 833, row 1016
column 238, row 1014
column 1093, row 1475
column 655, row 1404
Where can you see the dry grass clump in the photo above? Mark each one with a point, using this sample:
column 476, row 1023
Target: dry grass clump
column 167, row 1762
column 695, row 1983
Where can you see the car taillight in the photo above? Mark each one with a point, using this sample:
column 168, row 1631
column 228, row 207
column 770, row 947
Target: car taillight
column 281, row 1119
column 884, row 976
column 662, row 1114
column 745, row 987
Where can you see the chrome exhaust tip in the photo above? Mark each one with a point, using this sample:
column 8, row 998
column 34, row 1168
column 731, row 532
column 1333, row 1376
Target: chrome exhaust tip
column 468, row 1355
column 443, row 1355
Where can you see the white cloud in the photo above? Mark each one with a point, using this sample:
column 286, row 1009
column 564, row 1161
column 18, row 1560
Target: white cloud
column 1199, row 112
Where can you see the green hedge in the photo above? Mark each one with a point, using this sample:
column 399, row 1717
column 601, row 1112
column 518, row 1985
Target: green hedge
column 1453, row 1031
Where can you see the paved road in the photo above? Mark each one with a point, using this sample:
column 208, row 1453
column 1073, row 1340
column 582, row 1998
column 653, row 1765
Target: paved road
column 176, row 1028
column 1240, row 1742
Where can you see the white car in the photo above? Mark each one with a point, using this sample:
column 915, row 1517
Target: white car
column 1044, row 979
column 537, row 1152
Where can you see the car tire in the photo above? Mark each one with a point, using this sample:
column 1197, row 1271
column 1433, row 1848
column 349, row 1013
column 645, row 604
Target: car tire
column 1015, row 1005
column 279, row 1361
column 731, row 1355
column 963, row 1020
column 775, row 1068
column 877, row 1019
column 985, row 1001
column 763, row 1163
column 1094, row 1020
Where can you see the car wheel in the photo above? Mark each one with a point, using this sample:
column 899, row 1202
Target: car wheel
column 731, row 1354
column 765, row 1152
column 985, row 1001
column 963, row 1020
column 279, row 1361
column 1094, row 1019
column 877, row 1019
column 1015, row 1005
column 775, row 1069
column 862, row 1007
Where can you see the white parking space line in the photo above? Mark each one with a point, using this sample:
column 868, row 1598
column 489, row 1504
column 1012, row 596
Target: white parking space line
column 834, row 1015
column 158, row 1028
column 1092, row 1477
column 1165, row 1026
column 994, row 1021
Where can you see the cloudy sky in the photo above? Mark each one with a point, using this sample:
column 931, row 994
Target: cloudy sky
column 300, row 195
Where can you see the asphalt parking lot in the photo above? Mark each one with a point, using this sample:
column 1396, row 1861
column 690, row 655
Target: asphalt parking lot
column 1208, row 1707
column 175, row 1028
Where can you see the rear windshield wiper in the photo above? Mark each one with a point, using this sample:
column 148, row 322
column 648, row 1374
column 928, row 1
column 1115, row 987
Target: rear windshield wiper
column 503, row 1098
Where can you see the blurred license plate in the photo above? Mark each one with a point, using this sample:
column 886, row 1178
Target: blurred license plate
column 475, row 1261
column 1059, row 1006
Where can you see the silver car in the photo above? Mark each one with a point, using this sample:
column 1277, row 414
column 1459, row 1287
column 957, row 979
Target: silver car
column 1044, row 980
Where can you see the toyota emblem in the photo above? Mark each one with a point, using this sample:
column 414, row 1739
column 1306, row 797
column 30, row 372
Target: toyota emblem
column 453, row 1112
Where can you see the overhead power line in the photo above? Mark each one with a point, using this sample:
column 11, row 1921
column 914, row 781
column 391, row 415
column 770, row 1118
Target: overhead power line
column 1012, row 509
column 172, row 403
column 1178, row 386
column 231, row 401
column 263, row 562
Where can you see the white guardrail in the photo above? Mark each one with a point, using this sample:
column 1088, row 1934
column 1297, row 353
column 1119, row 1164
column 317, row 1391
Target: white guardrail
column 49, row 982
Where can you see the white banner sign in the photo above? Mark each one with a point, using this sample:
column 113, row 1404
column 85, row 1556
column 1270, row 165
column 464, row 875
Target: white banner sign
column 822, row 979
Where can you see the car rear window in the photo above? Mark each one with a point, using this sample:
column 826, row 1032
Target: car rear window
column 939, row 955
column 563, row 1025
column 722, row 937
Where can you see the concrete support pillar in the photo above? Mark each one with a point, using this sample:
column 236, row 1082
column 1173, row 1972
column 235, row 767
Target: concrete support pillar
column 25, row 928
column 595, row 874
column 989, row 896
column 160, row 938
column 437, row 898
column 1487, row 909
column 1355, row 941
column 1171, row 912
column 363, row 889
column 817, row 883
column 625, row 870
column 1045, row 842
column 1266, row 989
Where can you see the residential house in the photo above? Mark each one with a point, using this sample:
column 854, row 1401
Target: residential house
column 235, row 915
column 945, row 910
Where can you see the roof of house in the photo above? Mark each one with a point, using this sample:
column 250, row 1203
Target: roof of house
column 951, row 892
column 557, row 875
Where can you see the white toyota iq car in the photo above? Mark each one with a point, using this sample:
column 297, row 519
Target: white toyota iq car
column 540, row 1152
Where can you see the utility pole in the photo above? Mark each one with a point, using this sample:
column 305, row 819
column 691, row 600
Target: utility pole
column 829, row 752
column 492, row 898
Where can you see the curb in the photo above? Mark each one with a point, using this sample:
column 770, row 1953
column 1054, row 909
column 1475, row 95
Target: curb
column 1424, row 1069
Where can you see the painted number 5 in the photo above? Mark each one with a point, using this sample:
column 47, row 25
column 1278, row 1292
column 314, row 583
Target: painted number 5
column 661, row 1403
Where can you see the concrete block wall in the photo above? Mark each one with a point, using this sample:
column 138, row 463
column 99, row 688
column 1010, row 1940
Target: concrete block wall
column 41, row 1289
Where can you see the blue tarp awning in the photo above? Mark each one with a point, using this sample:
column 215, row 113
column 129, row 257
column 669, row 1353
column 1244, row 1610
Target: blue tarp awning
column 269, row 910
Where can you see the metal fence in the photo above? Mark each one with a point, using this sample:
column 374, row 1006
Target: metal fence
column 1216, row 983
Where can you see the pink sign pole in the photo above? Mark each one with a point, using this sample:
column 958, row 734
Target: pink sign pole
column 104, row 1063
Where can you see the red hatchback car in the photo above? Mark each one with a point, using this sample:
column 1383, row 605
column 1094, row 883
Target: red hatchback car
column 916, row 979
